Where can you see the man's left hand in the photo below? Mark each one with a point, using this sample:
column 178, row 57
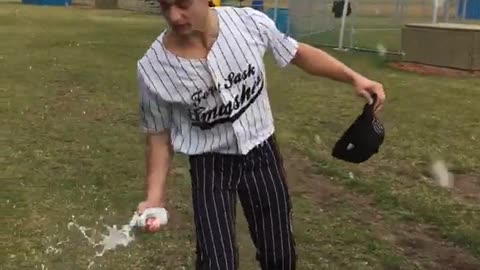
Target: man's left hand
column 366, row 88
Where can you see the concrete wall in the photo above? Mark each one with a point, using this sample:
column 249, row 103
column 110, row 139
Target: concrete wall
column 476, row 51
column 454, row 46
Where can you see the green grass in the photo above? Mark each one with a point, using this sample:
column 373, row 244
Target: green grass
column 71, row 146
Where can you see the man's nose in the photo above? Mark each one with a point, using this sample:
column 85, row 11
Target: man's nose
column 174, row 14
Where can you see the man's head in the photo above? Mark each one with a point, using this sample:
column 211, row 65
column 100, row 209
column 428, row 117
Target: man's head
column 185, row 16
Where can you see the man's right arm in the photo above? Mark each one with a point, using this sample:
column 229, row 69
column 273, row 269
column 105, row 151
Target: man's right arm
column 155, row 121
column 159, row 156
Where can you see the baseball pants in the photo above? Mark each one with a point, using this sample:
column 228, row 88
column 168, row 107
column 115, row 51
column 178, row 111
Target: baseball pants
column 258, row 179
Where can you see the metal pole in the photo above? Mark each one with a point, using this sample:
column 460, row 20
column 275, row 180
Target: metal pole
column 464, row 10
column 402, row 11
column 448, row 4
column 275, row 11
column 399, row 8
column 353, row 19
column 310, row 28
column 352, row 30
column 435, row 9
column 342, row 28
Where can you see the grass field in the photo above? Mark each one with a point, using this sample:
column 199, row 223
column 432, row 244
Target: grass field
column 71, row 146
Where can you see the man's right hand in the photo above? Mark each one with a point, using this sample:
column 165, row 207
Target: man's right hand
column 151, row 226
column 159, row 155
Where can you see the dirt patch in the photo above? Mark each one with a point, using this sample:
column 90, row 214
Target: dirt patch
column 434, row 70
column 423, row 245
column 64, row 97
column 301, row 181
column 467, row 186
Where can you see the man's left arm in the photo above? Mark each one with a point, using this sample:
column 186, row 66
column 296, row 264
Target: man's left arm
column 316, row 62
column 319, row 63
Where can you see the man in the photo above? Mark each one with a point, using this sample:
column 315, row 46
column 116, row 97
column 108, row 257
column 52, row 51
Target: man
column 204, row 94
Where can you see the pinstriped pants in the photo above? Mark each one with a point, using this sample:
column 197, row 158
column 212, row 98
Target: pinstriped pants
column 258, row 179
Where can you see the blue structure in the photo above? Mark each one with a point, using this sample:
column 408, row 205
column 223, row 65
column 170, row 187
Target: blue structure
column 282, row 18
column 472, row 9
column 48, row 2
column 257, row 4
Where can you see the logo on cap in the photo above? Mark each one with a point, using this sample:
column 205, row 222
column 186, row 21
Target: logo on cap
column 350, row 146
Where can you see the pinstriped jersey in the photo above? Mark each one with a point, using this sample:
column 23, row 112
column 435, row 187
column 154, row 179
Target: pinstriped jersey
column 218, row 103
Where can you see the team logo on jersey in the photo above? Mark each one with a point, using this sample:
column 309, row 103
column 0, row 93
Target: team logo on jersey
column 250, row 84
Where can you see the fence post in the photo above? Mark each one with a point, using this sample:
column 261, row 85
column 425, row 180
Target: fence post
column 446, row 8
column 435, row 11
column 342, row 28
column 275, row 11
column 464, row 10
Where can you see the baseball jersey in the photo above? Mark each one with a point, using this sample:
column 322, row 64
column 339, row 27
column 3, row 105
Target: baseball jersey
column 219, row 103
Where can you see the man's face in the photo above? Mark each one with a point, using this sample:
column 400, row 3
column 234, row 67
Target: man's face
column 184, row 16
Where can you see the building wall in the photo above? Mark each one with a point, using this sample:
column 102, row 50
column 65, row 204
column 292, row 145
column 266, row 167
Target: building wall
column 149, row 6
column 83, row 2
column 139, row 5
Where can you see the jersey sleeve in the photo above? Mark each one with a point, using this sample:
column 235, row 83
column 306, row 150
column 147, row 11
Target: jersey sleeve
column 282, row 46
column 155, row 113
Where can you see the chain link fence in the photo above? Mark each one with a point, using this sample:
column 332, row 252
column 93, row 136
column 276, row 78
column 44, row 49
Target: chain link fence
column 376, row 24
column 372, row 25
column 369, row 25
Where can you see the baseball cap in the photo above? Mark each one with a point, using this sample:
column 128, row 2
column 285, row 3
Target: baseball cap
column 362, row 139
